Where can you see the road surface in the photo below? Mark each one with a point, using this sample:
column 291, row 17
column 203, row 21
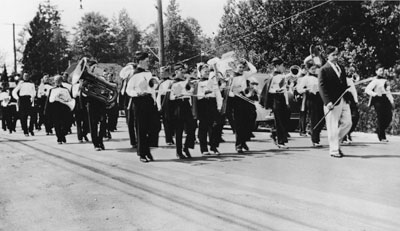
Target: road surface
column 47, row 186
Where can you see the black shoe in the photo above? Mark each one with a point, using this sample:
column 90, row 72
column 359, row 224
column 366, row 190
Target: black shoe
column 26, row 134
column 102, row 146
column 215, row 151
column 180, row 156
column 239, row 149
column 32, row 134
column 143, row 159
column 245, row 147
column 85, row 138
column 187, row 153
column 150, row 157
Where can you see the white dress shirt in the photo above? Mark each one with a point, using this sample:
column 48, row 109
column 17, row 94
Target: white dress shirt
column 377, row 88
column 139, row 84
column 209, row 89
column 238, row 85
column 24, row 89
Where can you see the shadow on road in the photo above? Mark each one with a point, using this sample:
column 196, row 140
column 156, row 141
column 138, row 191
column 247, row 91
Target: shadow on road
column 371, row 156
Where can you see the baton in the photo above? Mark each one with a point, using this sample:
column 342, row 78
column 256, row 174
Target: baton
column 337, row 101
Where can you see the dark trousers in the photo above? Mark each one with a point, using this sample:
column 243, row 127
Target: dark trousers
column 383, row 110
column 81, row 119
column 25, row 111
column 208, row 123
column 167, row 123
column 144, row 116
column 243, row 122
column 112, row 118
column 182, row 120
column 130, row 120
column 229, row 112
column 61, row 115
column 10, row 118
column 316, row 113
column 355, row 116
column 281, row 116
column 97, row 121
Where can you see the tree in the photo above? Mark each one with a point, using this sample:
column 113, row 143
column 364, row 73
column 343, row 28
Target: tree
column 271, row 28
column 127, row 37
column 180, row 41
column 45, row 50
column 94, row 38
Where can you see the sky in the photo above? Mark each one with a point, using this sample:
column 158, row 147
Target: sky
column 143, row 13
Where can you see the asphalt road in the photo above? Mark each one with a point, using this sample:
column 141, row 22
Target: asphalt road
column 47, row 186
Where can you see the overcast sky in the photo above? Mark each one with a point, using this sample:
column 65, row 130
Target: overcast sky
column 143, row 12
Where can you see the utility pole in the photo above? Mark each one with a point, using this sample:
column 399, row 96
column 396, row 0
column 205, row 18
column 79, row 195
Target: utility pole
column 15, row 51
column 160, row 33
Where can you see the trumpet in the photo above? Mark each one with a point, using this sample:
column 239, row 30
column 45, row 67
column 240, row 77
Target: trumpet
column 153, row 83
column 295, row 71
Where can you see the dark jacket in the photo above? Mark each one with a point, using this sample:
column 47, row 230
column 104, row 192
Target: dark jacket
column 331, row 87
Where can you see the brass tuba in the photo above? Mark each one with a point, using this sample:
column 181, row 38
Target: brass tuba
column 94, row 87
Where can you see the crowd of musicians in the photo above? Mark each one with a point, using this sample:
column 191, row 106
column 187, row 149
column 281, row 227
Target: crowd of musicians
column 193, row 106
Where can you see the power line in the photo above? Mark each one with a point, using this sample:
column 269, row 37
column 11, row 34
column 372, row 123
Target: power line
column 255, row 32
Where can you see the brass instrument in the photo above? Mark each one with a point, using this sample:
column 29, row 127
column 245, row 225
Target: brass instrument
column 295, row 71
column 94, row 87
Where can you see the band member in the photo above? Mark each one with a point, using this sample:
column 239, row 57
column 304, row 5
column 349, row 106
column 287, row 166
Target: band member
column 382, row 99
column 206, row 107
column 165, row 110
column 308, row 87
column 42, row 95
column 181, row 116
column 112, row 112
column 8, row 107
column 58, row 110
column 301, row 97
column 97, row 116
column 274, row 95
column 25, row 94
column 332, row 85
column 66, row 82
column 143, row 102
column 240, row 110
column 80, row 113
column 126, row 74
column 355, row 114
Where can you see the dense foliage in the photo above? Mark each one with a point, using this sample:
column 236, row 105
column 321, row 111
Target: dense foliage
column 367, row 32
column 46, row 49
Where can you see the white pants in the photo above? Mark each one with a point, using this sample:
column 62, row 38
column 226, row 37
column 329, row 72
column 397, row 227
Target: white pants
column 338, row 124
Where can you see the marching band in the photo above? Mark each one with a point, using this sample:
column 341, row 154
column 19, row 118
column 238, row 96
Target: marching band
column 183, row 102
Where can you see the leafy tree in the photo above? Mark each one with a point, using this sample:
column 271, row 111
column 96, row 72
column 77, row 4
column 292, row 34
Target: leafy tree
column 94, row 38
column 368, row 32
column 180, row 40
column 45, row 50
column 127, row 37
